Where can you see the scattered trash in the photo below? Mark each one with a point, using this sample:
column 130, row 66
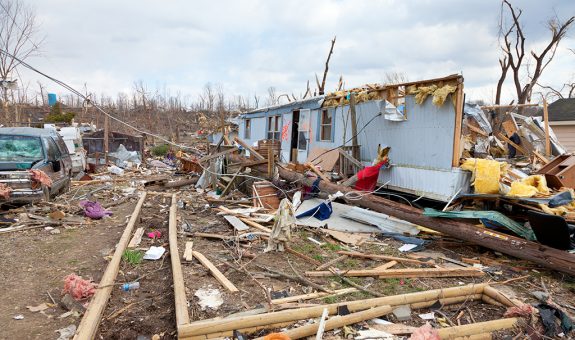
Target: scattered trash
column 67, row 332
column 40, row 307
column 402, row 313
column 427, row 316
column 407, row 247
column 425, row 332
column 155, row 234
column 78, row 287
column 18, row 317
column 116, row 170
column 154, row 253
column 130, row 286
column 209, row 298
column 94, row 210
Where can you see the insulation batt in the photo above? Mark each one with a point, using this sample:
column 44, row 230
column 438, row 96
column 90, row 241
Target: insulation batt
column 5, row 191
column 78, row 287
column 486, row 174
column 41, row 177
column 425, row 332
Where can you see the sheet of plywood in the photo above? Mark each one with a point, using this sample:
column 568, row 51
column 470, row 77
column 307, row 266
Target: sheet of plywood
column 325, row 160
column 236, row 223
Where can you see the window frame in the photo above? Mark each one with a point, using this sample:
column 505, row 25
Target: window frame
column 322, row 125
column 273, row 122
column 248, row 129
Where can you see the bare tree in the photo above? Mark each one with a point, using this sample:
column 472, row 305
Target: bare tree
column 321, row 87
column 512, row 40
column 394, row 77
column 272, row 96
column 18, row 39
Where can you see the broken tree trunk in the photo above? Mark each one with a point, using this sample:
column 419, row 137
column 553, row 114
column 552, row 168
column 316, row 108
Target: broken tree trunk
column 546, row 256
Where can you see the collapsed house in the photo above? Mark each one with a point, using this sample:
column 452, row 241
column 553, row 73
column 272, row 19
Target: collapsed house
column 424, row 135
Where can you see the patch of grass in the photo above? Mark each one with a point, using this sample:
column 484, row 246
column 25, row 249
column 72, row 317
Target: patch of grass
column 332, row 247
column 330, row 299
column 160, row 150
column 350, row 263
column 133, row 257
column 304, row 248
column 317, row 257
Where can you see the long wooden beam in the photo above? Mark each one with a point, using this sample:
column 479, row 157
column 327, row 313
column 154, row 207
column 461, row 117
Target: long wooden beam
column 405, row 273
column 181, row 303
column 546, row 256
column 222, row 325
column 91, row 320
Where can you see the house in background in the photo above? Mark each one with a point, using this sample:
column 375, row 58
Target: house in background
column 562, row 120
column 424, row 133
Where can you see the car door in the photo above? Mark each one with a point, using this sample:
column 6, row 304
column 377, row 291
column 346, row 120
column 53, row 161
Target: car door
column 54, row 157
column 65, row 152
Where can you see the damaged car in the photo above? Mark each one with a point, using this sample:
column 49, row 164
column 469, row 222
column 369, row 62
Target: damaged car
column 34, row 165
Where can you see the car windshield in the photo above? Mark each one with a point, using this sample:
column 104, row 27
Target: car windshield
column 20, row 149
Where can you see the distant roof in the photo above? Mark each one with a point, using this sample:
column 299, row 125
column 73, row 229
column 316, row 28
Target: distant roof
column 562, row 110
column 309, row 103
column 27, row 131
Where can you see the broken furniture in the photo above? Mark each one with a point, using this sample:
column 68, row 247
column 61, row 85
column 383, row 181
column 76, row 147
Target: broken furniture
column 560, row 172
column 552, row 230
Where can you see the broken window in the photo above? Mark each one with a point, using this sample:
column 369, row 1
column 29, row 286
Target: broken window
column 274, row 127
column 51, row 149
column 20, row 149
column 326, row 125
column 248, row 128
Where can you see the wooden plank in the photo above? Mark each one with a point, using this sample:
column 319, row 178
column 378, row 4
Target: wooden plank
column 386, row 265
column 381, row 257
column 231, row 181
column 336, row 322
column 216, row 155
column 255, row 225
column 250, row 149
column 317, row 172
column 405, row 273
column 89, row 324
column 510, row 142
column 476, row 130
column 353, row 116
column 477, row 328
column 350, row 158
column 332, row 262
column 236, row 223
column 215, row 326
column 487, row 107
column 311, row 296
column 181, row 303
column 137, row 238
column 215, row 272
column 188, row 251
column 456, row 152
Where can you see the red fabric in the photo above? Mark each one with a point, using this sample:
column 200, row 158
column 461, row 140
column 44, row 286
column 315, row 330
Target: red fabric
column 367, row 177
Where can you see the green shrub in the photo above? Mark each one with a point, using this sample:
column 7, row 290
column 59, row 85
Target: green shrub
column 160, row 150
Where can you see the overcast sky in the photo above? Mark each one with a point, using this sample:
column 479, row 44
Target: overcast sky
column 248, row 46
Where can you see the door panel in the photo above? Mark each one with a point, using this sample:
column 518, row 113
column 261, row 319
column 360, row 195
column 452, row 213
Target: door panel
column 286, row 137
column 304, row 133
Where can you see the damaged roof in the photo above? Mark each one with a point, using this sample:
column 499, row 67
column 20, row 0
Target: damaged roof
column 309, row 103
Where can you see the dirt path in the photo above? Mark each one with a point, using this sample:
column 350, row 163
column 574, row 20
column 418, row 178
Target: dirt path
column 36, row 261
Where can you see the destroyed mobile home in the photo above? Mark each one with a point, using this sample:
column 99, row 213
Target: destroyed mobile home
column 386, row 211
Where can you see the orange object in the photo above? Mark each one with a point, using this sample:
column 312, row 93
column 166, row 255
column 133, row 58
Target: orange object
column 276, row 336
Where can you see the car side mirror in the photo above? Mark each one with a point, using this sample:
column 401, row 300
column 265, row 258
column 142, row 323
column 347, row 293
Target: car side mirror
column 56, row 166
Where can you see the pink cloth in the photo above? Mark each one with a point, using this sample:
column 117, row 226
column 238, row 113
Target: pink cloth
column 425, row 332
column 78, row 288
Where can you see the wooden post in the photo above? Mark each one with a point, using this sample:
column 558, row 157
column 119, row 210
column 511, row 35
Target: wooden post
column 89, row 324
column 182, row 316
column 106, row 137
column 546, row 122
column 355, row 149
column 270, row 162
column 457, row 129
column 477, row 328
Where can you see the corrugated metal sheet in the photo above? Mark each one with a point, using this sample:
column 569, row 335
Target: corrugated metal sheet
column 435, row 184
column 384, row 222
